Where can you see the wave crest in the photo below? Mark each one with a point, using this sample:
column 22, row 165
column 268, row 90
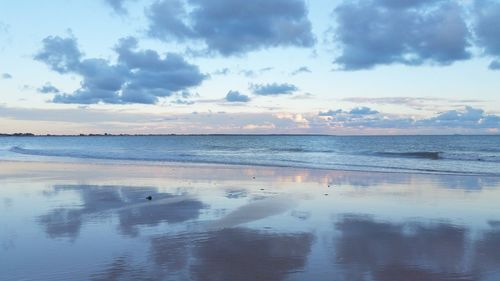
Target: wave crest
column 436, row 155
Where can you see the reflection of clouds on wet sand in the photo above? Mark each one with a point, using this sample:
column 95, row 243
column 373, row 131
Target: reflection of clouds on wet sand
column 487, row 258
column 122, row 269
column 365, row 249
column 171, row 253
column 244, row 254
column 255, row 211
column 434, row 230
column 412, row 251
column 229, row 254
column 471, row 183
column 363, row 179
column 127, row 202
column 7, row 202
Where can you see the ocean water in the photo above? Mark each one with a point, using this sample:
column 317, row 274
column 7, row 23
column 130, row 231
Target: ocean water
column 478, row 155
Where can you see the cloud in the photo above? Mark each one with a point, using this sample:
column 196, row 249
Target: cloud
column 266, row 69
column 60, row 54
column 182, row 102
column 273, row 89
column 487, row 20
column 363, row 110
column 155, row 76
column 235, row 96
column 469, row 117
column 302, row 69
column 408, row 32
column 6, row 76
column 48, row 89
column 466, row 118
column 6, row 37
column 117, row 6
column 231, row 27
column 418, row 103
column 494, row 65
column 402, row 4
column 247, row 72
column 222, row 71
column 331, row 112
column 357, row 111
column 264, row 126
column 139, row 76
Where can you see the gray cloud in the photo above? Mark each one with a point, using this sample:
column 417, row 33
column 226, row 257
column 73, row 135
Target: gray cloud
column 302, row 69
column 6, row 76
column 273, row 89
column 223, row 71
column 494, row 65
column 411, row 32
column 5, row 36
column 48, row 89
column 247, row 73
column 117, row 5
column 139, row 76
column 409, row 101
column 182, row 102
column 235, row 96
column 486, row 29
column 153, row 75
column 231, row 27
column 60, row 54
column 356, row 112
column 419, row 103
column 468, row 117
column 363, row 110
column 406, row 3
column 331, row 112
column 466, row 120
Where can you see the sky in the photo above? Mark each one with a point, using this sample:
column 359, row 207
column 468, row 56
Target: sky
column 250, row 67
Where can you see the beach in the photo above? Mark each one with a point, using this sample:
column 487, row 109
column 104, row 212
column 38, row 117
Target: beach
column 262, row 140
column 92, row 221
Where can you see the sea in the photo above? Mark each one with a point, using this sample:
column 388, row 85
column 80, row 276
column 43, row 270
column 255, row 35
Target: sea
column 454, row 154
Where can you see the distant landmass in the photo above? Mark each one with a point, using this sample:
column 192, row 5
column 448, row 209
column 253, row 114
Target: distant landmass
column 143, row 135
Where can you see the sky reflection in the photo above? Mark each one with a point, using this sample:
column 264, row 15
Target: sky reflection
column 129, row 204
column 387, row 227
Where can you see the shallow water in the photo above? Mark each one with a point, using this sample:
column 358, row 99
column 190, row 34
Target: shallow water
column 92, row 222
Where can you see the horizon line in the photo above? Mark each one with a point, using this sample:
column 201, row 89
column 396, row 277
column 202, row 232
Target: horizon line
column 226, row 134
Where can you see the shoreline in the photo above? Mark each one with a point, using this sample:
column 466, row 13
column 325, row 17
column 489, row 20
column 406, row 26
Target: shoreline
column 213, row 165
column 245, row 135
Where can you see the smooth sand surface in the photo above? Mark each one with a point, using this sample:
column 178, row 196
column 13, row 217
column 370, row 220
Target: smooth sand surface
column 70, row 221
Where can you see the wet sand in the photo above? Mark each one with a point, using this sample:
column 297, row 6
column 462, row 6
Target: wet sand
column 61, row 221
